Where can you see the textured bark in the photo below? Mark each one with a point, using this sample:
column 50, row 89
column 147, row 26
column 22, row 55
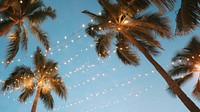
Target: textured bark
column 172, row 84
column 34, row 106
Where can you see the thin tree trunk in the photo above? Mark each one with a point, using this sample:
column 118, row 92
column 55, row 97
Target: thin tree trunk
column 172, row 84
column 34, row 106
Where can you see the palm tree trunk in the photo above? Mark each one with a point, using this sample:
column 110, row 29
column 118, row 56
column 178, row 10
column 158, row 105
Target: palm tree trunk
column 34, row 106
column 172, row 84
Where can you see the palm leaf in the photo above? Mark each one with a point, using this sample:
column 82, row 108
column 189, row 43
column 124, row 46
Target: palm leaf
column 28, row 92
column 109, row 9
column 188, row 17
column 47, row 100
column 180, row 69
column 24, row 41
column 133, row 6
column 126, row 54
column 90, row 30
column 32, row 7
column 94, row 16
column 58, row 86
column 50, row 69
column 41, row 35
column 41, row 15
column 16, row 78
column 5, row 26
column 151, row 48
column 39, row 60
column 164, row 4
column 103, row 44
column 155, row 22
column 196, row 91
column 13, row 46
column 5, row 4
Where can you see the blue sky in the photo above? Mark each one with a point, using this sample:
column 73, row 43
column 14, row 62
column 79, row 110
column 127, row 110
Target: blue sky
column 95, row 84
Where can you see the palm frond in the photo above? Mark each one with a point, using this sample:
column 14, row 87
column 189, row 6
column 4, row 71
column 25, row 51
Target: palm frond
column 196, row 91
column 91, row 30
column 194, row 46
column 131, row 7
column 147, row 36
column 41, row 35
column 109, row 8
column 164, row 4
column 5, row 26
column 190, row 52
column 47, row 100
column 28, row 92
column 13, row 46
column 180, row 81
column 39, row 60
column 155, row 22
column 179, row 69
column 50, row 69
column 5, row 4
column 188, row 17
column 151, row 48
column 95, row 17
column 16, row 78
column 103, row 44
column 58, row 86
column 126, row 54
column 24, row 41
column 32, row 7
column 41, row 15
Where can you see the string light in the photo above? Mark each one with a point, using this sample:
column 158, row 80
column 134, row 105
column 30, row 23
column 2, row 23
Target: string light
column 109, row 104
column 104, row 91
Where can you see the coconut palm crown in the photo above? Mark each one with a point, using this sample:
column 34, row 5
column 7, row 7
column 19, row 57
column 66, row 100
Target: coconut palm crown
column 43, row 79
column 127, row 23
column 16, row 17
column 117, row 20
column 187, row 65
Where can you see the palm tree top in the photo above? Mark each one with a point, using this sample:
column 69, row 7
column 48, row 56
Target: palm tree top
column 44, row 78
column 187, row 65
column 17, row 17
column 120, row 17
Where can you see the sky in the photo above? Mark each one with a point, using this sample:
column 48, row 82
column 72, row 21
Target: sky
column 95, row 84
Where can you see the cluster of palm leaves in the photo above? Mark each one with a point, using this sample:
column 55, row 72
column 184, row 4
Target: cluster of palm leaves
column 17, row 16
column 187, row 65
column 43, row 79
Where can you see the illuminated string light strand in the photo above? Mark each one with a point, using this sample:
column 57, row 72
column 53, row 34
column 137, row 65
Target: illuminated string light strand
column 127, row 97
column 95, row 77
column 105, row 91
column 55, row 45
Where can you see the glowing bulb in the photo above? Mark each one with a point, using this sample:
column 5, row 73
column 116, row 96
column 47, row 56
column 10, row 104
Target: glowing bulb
column 21, row 1
column 126, row 21
column 83, row 25
column 119, row 28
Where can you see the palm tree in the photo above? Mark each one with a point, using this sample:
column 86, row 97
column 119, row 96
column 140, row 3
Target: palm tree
column 16, row 17
column 188, row 15
column 131, row 28
column 43, row 80
column 187, row 65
